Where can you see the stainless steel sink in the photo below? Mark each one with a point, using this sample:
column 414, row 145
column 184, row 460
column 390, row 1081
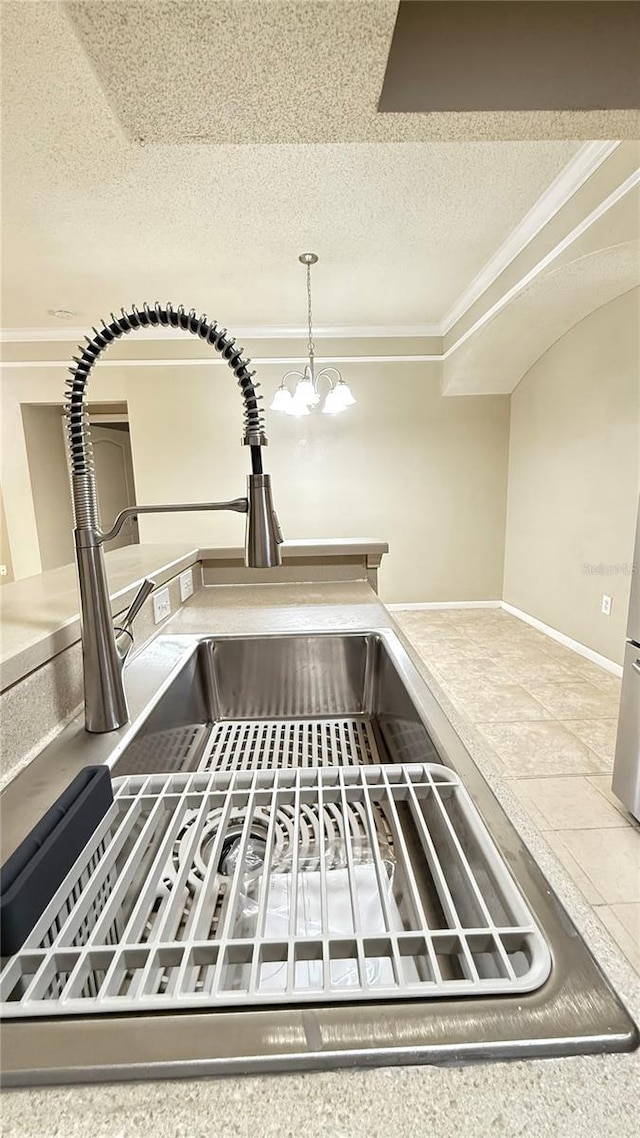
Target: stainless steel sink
column 294, row 681
column 333, row 715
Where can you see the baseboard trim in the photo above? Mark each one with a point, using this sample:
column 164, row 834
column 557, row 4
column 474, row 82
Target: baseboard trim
column 446, row 605
column 553, row 633
column 575, row 645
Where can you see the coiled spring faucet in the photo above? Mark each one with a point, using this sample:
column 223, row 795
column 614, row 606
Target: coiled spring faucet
column 105, row 648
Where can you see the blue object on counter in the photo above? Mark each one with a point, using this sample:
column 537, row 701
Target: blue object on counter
column 35, row 870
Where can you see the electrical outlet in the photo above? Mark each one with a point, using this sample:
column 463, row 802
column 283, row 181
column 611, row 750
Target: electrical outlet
column 186, row 584
column 606, row 605
column 161, row 605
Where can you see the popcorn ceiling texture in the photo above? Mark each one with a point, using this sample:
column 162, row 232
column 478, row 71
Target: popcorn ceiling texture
column 259, row 71
column 242, row 72
column 93, row 219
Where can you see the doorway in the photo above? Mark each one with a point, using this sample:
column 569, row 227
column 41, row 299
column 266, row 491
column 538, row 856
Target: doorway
column 50, row 482
column 112, row 456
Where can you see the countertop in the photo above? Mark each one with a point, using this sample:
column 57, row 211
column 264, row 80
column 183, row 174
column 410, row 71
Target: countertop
column 40, row 615
column 304, row 548
column 558, row 1098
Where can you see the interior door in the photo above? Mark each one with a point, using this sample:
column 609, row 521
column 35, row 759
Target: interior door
column 114, row 478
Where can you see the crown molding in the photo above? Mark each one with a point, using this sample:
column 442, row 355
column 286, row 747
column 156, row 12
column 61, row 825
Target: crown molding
column 605, row 205
column 588, row 159
column 216, row 361
column 250, row 332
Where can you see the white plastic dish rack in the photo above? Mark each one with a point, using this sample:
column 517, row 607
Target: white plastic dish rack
column 315, row 884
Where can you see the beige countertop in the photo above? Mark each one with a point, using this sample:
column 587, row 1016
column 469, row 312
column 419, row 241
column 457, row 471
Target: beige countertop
column 552, row 1098
column 369, row 547
column 40, row 615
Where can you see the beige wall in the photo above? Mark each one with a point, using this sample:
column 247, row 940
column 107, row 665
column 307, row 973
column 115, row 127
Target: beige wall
column 574, row 475
column 426, row 473
column 46, row 455
column 42, row 386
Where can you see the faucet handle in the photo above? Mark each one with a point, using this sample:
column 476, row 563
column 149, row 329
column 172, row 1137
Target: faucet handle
column 278, row 528
column 145, row 589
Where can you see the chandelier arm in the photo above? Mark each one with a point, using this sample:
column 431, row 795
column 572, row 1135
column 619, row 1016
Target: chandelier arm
column 298, row 374
column 325, row 370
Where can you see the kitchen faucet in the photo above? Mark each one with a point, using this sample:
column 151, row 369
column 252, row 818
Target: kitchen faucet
column 105, row 648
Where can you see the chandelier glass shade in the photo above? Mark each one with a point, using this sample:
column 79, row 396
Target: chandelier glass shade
column 306, row 384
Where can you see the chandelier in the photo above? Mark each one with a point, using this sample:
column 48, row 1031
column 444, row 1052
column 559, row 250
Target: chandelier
column 306, row 393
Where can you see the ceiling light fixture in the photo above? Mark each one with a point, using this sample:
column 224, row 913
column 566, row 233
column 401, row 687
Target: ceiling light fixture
column 61, row 313
column 306, row 393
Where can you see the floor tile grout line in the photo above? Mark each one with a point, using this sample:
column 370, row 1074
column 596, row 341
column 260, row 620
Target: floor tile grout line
column 576, row 725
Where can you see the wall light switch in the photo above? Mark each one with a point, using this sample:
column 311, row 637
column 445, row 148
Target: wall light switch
column 161, row 605
column 186, row 584
column 606, row 605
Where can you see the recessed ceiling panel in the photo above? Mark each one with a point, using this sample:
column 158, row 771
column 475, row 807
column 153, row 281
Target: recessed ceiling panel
column 549, row 55
column 294, row 71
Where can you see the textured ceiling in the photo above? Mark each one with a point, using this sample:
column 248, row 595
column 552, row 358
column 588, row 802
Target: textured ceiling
column 242, row 70
column 267, row 71
column 92, row 219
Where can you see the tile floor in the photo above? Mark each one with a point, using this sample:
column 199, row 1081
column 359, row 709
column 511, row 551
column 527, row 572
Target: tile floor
column 548, row 717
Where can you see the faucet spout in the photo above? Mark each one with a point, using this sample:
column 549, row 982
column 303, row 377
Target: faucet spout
column 240, row 505
column 264, row 536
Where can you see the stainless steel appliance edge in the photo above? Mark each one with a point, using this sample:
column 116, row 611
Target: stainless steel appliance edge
column 626, row 768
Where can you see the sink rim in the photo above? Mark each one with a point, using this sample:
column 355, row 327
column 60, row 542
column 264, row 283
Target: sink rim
column 575, row 1012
